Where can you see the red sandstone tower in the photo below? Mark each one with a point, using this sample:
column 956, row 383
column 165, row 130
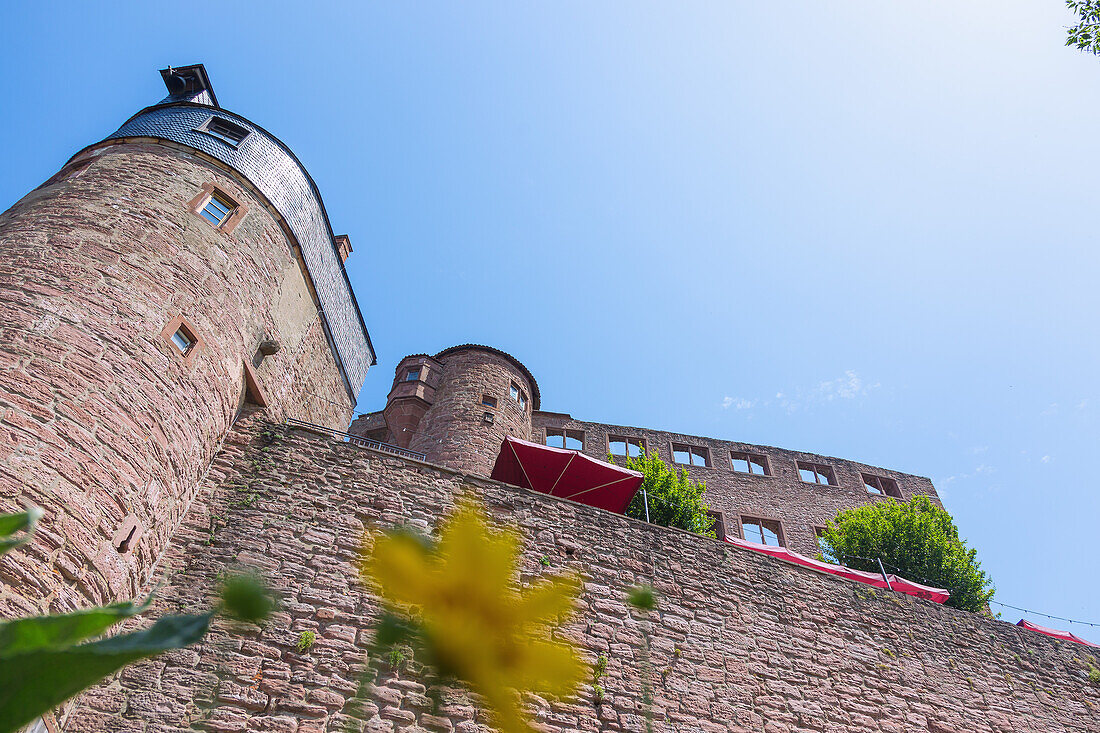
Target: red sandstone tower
column 456, row 407
column 163, row 278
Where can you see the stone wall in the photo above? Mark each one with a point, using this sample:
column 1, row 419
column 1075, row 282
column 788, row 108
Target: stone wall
column 740, row 642
column 798, row 506
column 103, row 422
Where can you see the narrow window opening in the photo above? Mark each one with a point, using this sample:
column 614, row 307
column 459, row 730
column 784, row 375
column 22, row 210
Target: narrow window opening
column 488, row 401
column 124, row 545
column 412, row 375
column 826, row 555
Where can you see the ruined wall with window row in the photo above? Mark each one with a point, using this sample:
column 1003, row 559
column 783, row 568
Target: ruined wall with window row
column 794, row 490
column 739, row 643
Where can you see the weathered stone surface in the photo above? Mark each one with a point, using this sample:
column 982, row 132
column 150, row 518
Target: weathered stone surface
column 102, row 420
column 740, row 642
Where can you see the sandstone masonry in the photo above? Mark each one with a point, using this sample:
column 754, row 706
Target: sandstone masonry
column 740, row 642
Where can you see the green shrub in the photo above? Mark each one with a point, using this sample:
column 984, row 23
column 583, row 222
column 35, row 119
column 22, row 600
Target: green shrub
column 674, row 499
column 916, row 539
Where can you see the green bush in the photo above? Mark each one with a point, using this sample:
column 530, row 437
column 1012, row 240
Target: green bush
column 674, row 499
column 916, row 539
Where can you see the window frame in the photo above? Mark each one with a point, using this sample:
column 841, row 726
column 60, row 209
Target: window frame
column 886, row 486
column 764, row 462
column 818, row 532
column 518, row 396
column 628, row 441
column 411, row 370
column 566, row 434
column 177, row 324
column 228, row 223
column 213, row 121
column 488, row 401
column 780, row 532
column 829, row 473
column 690, row 448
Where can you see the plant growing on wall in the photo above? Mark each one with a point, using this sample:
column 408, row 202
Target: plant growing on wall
column 674, row 499
column 918, row 540
column 45, row 660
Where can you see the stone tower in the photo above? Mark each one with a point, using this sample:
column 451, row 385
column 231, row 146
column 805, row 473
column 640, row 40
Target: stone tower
column 164, row 277
column 457, row 406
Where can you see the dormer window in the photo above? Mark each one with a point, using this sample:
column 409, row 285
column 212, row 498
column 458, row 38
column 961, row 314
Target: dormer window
column 224, row 130
column 218, row 209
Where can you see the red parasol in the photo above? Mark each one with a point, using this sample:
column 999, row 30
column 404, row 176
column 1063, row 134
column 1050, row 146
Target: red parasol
column 896, row 582
column 1063, row 635
column 568, row 474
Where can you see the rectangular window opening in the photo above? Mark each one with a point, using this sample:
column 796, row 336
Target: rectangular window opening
column 762, row 531
column 816, row 473
column 182, row 340
column 690, row 455
column 881, row 486
column 620, row 445
column 412, row 375
column 826, row 555
column 752, row 463
column 218, row 209
column 568, row 439
column 488, row 401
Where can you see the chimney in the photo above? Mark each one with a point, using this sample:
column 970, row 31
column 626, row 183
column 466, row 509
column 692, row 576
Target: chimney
column 343, row 246
column 188, row 84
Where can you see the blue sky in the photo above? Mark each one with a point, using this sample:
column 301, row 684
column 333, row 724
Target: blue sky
column 861, row 229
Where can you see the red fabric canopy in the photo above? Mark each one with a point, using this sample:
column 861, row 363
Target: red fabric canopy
column 897, row 583
column 568, row 474
column 1063, row 635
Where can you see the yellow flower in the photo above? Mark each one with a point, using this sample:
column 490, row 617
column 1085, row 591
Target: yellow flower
column 473, row 623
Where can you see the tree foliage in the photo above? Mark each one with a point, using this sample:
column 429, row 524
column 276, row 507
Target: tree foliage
column 918, row 540
column 1085, row 36
column 674, row 499
column 45, row 660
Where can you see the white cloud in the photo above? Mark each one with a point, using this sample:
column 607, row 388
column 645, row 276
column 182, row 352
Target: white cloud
column 1051, row 409
column 738, row 403
column 847, row 387
column 1045, row 459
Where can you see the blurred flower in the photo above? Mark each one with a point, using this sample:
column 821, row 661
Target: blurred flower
column 458, row 600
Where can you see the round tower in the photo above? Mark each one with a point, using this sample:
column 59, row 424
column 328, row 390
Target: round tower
column 457, row 406
column 163, row 278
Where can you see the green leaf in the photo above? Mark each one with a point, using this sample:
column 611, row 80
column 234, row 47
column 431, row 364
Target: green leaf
column 12, row 523
column 245, row 598
column 34, row 682
column 44, row 632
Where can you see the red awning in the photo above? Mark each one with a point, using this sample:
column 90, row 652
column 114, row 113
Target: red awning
column 897, row 583
column 1063, row 635
column 568, row 474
